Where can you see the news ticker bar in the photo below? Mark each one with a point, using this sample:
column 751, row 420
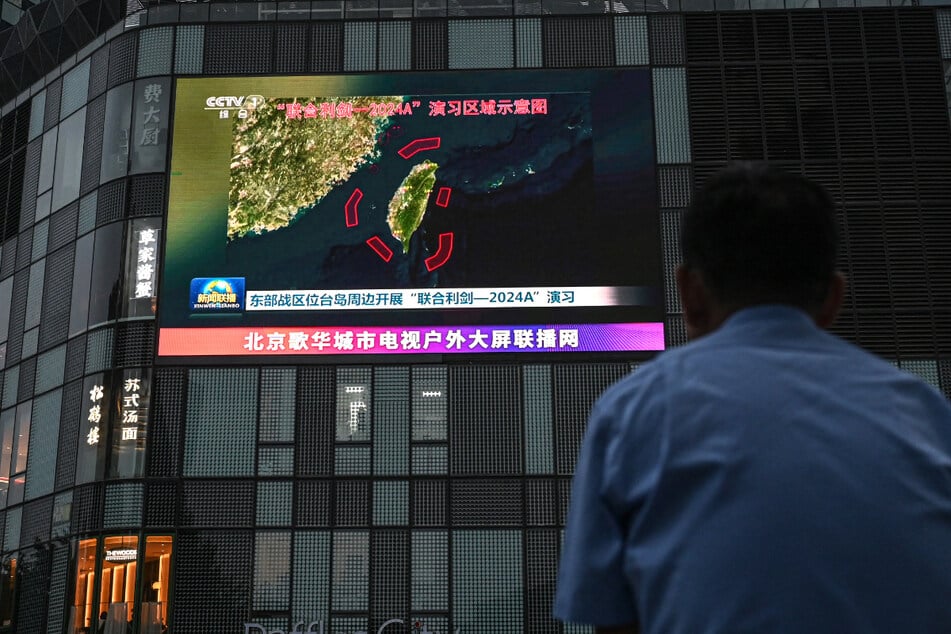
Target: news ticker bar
column 260, row 341
column 444, row 298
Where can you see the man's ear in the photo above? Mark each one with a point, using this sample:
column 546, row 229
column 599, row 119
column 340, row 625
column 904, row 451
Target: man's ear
column 832, row 303
column 696, row 301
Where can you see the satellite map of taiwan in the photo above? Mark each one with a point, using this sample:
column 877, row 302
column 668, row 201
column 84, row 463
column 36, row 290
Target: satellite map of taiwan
column 414, row 191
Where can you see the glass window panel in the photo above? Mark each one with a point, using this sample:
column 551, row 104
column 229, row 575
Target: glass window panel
column 155, row 51
column 311, row 576
column 275, row 503
column 487, row 588
column 41, row 235
column 30, row 342
column 87, row 212
column 123, row 505
column 670, row 107
column 11, row 528
column 11, row 381
column 430, row 400
column 82, row 616
column 539, row 431
column 156, row 567
column 141, row 269
column 43, row 444
column 7, row 424
column 276, row 405
column 220, row 422
column 62, row 514
column 34, row 296
column 390, row 503
column 351, row 571
column 117, row 582
column 276, row 461
column 37, row 113
column 43, row 205
column 272, row 570
column 47, row 160
column 21, row 437
column 6, row 297
column 69, row 159
column 359, row 46
column 104, row 282
column 115, row 138
column 82, row 276
column 430, row 565
column 127, row 458
column 50, row 367
column 75, row 89
column 481, row 44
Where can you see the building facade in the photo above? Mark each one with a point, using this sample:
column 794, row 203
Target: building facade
column 417, row 492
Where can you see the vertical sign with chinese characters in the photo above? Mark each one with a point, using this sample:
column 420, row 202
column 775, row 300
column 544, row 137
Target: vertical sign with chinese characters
column 127, row 458
column 116, row 135
column 141, row 266
column 150, row 125
column 93, row 428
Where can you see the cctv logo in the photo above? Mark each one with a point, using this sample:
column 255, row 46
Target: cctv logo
column 249, row 102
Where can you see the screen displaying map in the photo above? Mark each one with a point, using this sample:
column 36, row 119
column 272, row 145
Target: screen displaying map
column 476, row 207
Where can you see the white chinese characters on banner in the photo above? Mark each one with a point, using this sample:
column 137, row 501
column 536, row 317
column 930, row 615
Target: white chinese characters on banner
column 94, row 418
column 412, row 340
column 144, row 265
column 150, row 133
column 131, row 412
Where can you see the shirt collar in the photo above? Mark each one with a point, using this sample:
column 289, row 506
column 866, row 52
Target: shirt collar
column 768, row 318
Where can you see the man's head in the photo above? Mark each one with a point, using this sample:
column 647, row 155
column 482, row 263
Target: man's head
column 757, row 235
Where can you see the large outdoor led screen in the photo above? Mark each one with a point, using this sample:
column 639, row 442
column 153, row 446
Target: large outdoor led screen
column 416, row 213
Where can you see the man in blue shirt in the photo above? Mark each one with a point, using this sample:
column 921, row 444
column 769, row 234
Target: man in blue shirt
column 767, row 477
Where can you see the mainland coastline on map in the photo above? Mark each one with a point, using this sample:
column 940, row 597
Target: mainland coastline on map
column 408, row 205
column 281, row 165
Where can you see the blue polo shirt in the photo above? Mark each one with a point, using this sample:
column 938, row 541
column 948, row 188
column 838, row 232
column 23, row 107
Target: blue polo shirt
column 769, row 477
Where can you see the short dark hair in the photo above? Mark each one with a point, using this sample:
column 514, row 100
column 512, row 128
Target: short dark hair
column 760, row 235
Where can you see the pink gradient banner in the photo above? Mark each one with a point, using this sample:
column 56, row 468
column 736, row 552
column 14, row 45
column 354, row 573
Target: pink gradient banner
column 345, row 341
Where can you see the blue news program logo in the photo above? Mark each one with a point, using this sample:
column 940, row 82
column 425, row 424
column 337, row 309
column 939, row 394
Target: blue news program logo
column 217, row 294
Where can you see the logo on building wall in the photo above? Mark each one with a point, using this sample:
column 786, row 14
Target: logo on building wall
column 317, row 627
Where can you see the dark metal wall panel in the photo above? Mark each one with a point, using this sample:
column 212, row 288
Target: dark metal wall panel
column 238, row 48
column 430, row 45
column 135, row 344
column 485, row 502
column 288, row 39
column 68, row 435
column 327, row 47
column 859, row 100
column 217, row 503
column 315, row 421
column 576, row 386
column 213, row 576
column 122, row 58
column 578, row 42
column 666, row 33
column 146, row 195
column 485, row 436
column 167, row 422
column 389, row 575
